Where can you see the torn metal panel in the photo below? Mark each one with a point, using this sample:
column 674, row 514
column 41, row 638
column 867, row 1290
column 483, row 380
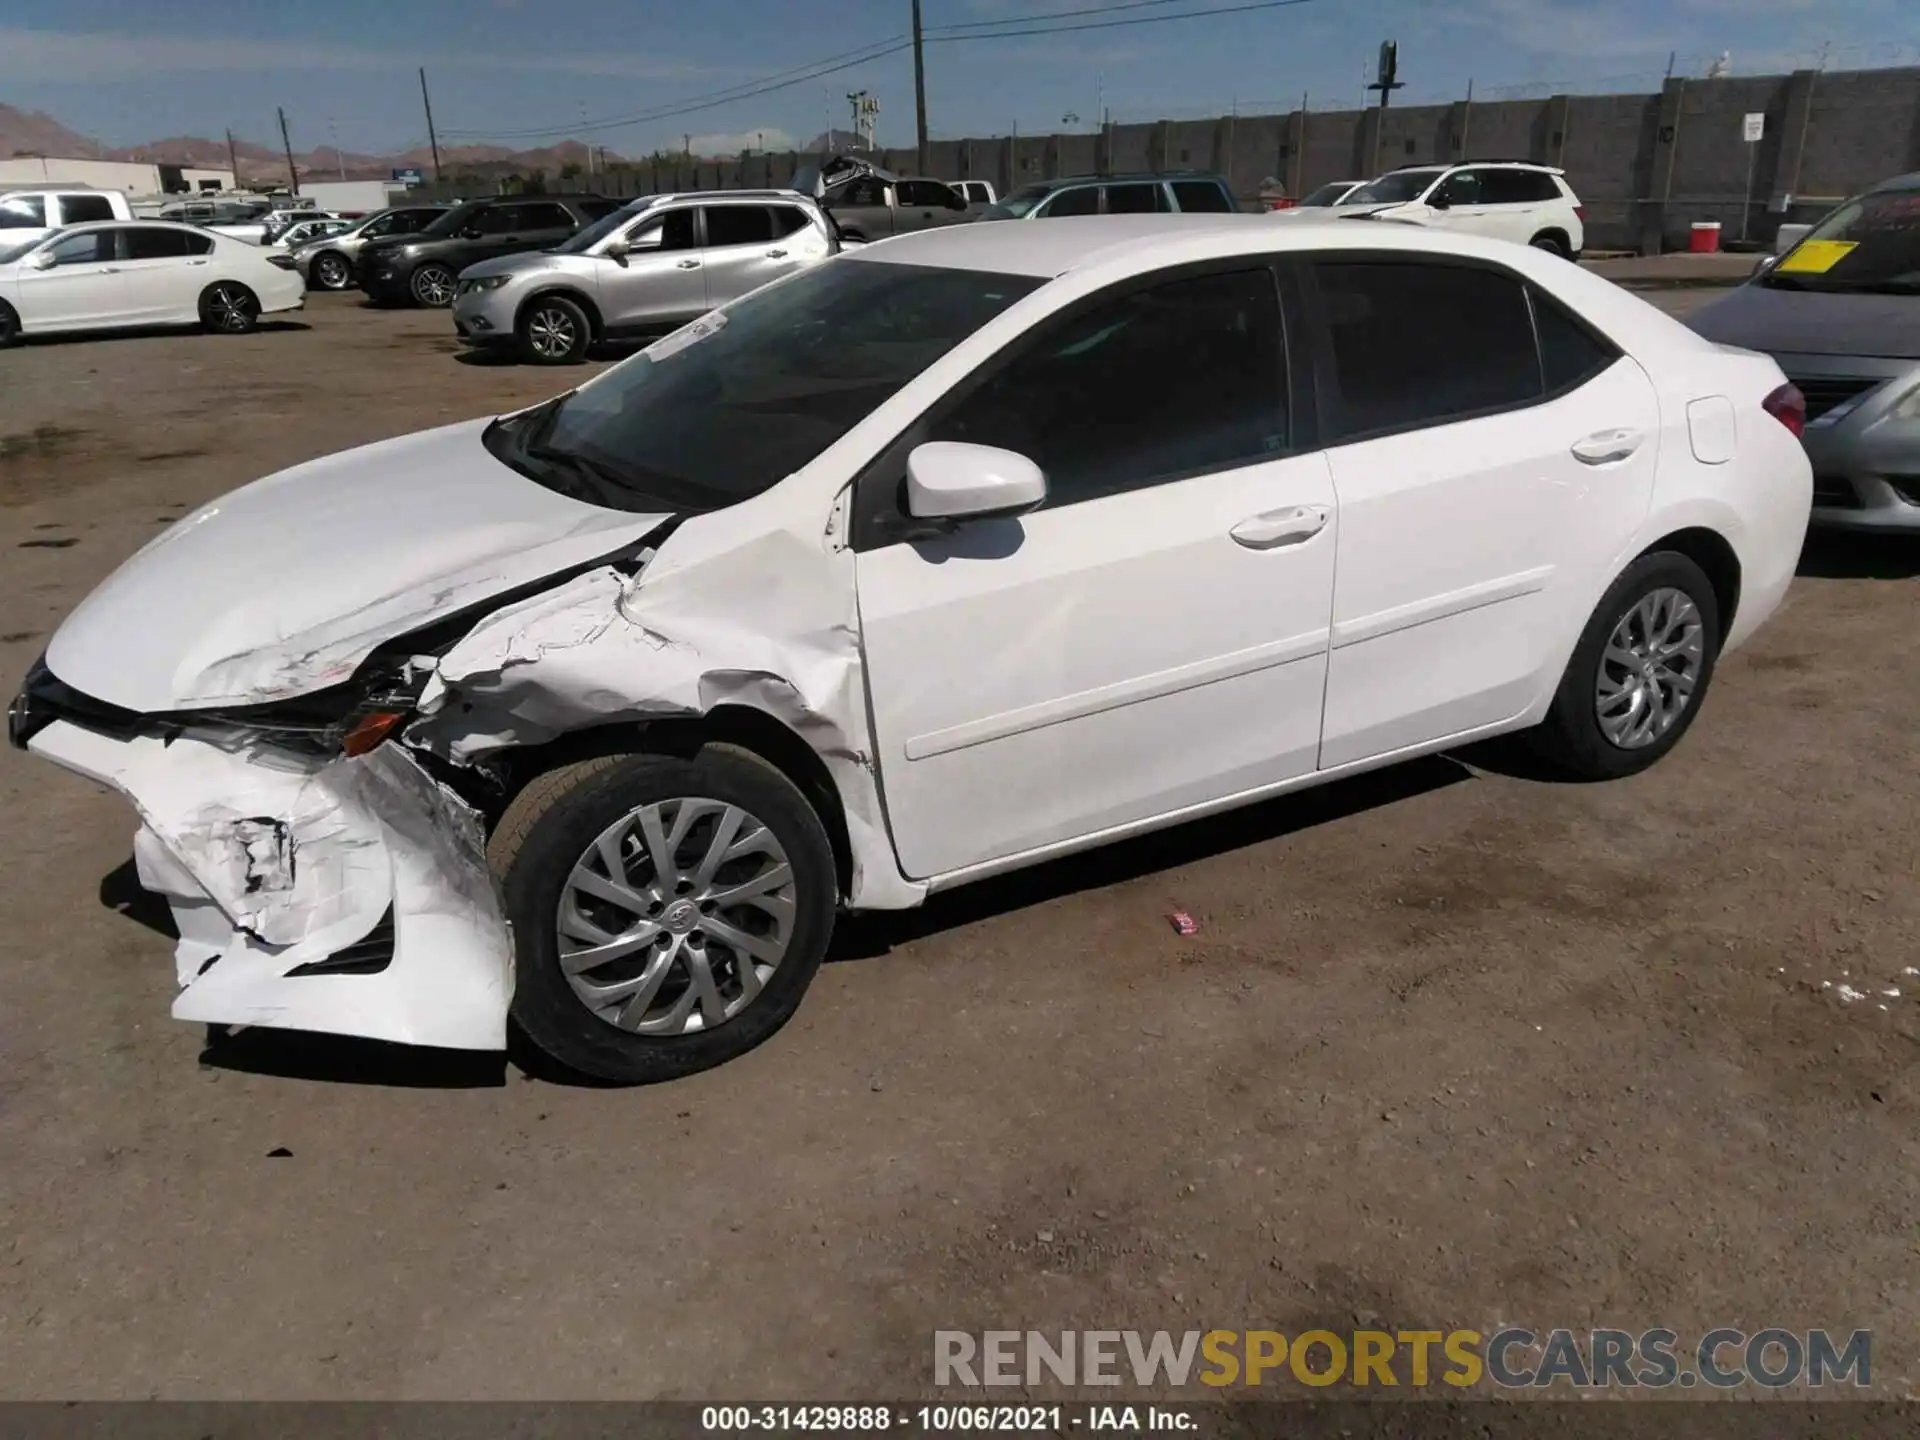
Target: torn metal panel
column 295, row 860
column 769, row 622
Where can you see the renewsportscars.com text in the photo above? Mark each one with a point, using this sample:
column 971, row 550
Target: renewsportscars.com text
column 1510, row 1358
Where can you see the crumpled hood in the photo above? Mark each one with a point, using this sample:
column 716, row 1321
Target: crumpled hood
column 284, row 586
column 1804, row 322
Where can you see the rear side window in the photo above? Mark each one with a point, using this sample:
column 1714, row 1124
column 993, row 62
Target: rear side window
column 738, row 225
column 1570, row 353
column 1516, row 187
column 1172, row 380
column 150, row 242
column 787, row 219
column 23, row 212
column 1201, row 197
column 79, row 209
column 1420, row 344
column 1142, row 199
column 1084, row 201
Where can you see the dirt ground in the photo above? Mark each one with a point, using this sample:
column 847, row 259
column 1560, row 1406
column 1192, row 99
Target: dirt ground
column 1453, row 1046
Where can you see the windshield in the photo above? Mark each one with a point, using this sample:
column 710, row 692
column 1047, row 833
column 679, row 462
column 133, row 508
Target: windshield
column 15, row 252
column 1327, row 194
column 1868, row 246
column 599, row 230
column 733, row 404
column 1395, row 189
column 1021, row 202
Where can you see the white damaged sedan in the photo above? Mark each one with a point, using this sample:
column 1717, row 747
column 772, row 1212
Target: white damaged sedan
column 933, row 562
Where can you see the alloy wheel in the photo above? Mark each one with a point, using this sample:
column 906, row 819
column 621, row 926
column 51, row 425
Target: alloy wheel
column 1650, row 668
column 433, row 285
column 676, row 916
column 331, row 272
column 231, row 307
column 551, row 333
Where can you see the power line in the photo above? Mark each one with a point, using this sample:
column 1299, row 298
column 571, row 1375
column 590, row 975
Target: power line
column 1050, row 16
column 1134, row 20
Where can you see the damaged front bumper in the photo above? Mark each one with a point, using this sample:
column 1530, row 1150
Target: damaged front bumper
column 348, row 895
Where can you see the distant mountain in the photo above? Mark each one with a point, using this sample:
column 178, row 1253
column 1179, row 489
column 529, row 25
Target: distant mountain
column 24, row 132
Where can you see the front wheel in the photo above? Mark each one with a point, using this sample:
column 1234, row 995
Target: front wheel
column 9, row 326
column 1553, row 243
column 432, row 286
column 229, row 308
column 668, row 914
column 554, row 331
column 331, row 271
column 1639, row 673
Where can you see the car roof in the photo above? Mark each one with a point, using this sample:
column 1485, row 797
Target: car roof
column 1481, row 164
column 1898, row 182
column 1123, row 177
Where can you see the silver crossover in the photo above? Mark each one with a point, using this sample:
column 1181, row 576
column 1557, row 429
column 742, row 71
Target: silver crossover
column 1840, row 313
column 654, row 265
column 326, row 263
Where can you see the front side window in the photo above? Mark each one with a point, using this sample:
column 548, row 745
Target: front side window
column 23, row 212
column 926, row 193
column 1327, row 195
column 1083, row 201
column 1462, row 188
column 1179, row 378
column 730, row 407
column 1020, row 203
column 1422, row 344
column 864, row 191
column 738, row 225
column 1868, row 246
column 1138, row 199
column 90, row 247
column 1201, row 197
column 1395, row 189
column 80, row 209
column 671, row 231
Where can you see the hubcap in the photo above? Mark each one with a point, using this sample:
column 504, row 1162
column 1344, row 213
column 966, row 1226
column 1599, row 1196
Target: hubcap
column 676, row 916
column 230, row 309
column 333, row 272
column 433, row 285
column 1650, row 669
column 551, row 332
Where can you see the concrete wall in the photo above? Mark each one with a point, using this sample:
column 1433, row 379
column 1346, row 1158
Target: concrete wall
column 1645, row 166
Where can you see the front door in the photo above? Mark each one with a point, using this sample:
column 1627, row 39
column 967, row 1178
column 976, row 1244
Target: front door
column 84, row 289
column 1464, row 209
column 1154, row 637
column 1486, row 480
column 662, row 282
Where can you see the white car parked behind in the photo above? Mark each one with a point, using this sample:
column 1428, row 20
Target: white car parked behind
column 1502, row 200
column 971, row 549
column 142, row 272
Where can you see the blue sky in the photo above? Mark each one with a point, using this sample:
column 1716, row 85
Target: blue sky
column 131, row 70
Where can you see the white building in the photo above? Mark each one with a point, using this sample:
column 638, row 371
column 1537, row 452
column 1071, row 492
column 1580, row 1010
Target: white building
column 135, row 177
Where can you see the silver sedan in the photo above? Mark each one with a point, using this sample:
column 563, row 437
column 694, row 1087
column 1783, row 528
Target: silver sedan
column 649, row 267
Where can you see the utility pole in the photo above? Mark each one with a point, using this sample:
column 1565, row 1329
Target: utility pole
column 233, row 162
column 433, row 140
column 293, row 175
column 919, row 88
column 339, row 160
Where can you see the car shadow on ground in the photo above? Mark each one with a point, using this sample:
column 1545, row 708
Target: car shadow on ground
column 871, row 935
column 1837, row 555
column 490, row 357
column 151, row 332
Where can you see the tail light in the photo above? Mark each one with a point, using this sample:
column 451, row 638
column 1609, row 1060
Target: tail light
column 1789, row 407
column 1580, row 213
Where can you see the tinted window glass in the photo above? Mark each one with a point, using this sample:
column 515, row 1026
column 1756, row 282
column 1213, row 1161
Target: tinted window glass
column 1201, row 196
column 1084, row 201
column 726, row 411
column 23, row 212
column 738, row 225
column 675, row 229
column 494, row 220
column 545, row 217
column 92, row 248
column 1183, row 377
column 1417, row 344
column 1516, row 187
column 787, row 219
column 1135, row 200
column 410, row 222
column 1570, row 353
column 79, row 209
column 864, row 191
column 1395, row 189
column 1463, row 188
column 925, row 193
column 598, row 209
column 149, row 242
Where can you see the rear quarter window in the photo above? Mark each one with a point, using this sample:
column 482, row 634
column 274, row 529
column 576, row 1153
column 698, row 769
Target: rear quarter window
column 1201, row 197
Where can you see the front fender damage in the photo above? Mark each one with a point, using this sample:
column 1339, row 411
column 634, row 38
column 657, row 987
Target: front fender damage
column 351, row 895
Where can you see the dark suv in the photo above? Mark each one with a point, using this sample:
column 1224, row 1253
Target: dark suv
column 1174, row 194
column 421, row 269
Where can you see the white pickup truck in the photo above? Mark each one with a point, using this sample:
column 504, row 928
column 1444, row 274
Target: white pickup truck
column 35, row 210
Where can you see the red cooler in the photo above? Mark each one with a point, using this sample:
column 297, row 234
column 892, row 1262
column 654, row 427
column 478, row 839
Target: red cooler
column 1704, row 239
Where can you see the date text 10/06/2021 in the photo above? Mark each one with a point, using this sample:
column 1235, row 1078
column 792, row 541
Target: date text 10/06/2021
column 1042, row 1419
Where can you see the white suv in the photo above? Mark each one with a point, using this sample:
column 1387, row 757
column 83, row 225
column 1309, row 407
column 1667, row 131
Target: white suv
column 1502, row 200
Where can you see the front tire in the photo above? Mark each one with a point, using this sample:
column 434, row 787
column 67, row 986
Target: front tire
column 331, row 271
column 9, row 326
column 229, row 308
column 431, row 286
column 1554, row 243
column 553, row 330
column 668, row 914
column 1639, row 674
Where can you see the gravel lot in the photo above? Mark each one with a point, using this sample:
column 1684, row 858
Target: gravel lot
column 1453, row 1046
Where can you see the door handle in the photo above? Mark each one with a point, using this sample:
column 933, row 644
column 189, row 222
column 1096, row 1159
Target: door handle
column 1274, row 528
column 1606, row 447
column 776, row 254
column 196, row 262
column 111, row 270
column 688, row 265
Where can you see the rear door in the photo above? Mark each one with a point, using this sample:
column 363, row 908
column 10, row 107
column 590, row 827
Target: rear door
column 737, row 248
column 1492, row 456
column 164, row 270
column 663, row 281
column 1152, row 639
